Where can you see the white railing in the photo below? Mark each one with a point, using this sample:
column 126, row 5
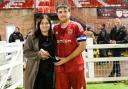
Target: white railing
column 11, row 65
column 91, row 67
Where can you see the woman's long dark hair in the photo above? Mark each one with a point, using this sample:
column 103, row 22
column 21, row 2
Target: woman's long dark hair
column 37, row 32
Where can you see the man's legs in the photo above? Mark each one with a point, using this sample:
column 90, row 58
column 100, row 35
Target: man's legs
column 113, row 69
column 117, row 69
column 77, row 80
column 62, row 81
column 116, row 64
column 117, row 53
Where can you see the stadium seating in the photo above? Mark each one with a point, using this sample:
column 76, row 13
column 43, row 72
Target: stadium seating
column 28, row 4
column 17, row 4
column 42, row 3
column 71, row 2
column 115, row 2
column 46, row 6
column 52, row 9
column 4, row 3
column 46, row 9
column 90, row 3
column 52, row 2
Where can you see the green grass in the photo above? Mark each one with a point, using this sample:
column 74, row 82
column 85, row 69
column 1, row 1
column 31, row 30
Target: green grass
column 19, row 88
column 103, row 86
column 107, row 86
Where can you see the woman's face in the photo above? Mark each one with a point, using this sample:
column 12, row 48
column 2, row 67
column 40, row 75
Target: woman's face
column 44, row 26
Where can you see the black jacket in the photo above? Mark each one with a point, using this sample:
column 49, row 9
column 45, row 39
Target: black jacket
column 119, row 35
column 103, row 37
column 15, row 36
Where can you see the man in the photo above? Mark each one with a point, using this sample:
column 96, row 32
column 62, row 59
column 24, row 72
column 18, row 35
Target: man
column 103, row 38
column 16, row 35
column 89, row 33
column 118, row 35
column 70, row 44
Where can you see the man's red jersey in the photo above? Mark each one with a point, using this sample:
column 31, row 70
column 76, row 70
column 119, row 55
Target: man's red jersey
column 67, row 41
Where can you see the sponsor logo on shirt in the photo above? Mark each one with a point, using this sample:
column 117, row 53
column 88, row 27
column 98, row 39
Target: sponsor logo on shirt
column 63, row 41
column 70, row 31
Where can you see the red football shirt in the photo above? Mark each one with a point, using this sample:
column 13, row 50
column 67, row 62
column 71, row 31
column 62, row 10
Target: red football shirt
column 67, row 41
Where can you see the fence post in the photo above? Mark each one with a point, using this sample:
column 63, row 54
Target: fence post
column 90, row 55
column 17, row 72
column 2, row 55
column 2, row 60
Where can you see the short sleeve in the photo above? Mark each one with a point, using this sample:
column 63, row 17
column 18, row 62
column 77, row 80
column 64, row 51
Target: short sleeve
column 80, row 33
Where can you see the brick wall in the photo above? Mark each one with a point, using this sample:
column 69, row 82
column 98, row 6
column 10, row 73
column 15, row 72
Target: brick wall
column 91, row 19
column 23, row 18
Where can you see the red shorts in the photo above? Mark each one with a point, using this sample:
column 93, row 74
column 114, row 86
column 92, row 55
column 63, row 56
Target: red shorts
column 66, row 80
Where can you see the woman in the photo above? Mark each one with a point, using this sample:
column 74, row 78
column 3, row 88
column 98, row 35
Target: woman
column 40, row 68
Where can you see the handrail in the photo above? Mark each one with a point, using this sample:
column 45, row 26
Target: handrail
column 90, row 62
column 14, row 58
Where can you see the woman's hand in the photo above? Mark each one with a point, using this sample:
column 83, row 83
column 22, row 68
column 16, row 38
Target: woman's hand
column 44, row 55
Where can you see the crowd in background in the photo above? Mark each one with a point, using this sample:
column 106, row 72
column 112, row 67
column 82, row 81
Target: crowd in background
column 117, row 35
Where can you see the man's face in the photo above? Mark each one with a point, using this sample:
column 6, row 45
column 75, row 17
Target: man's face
column 63, row 14
column 117, row 22
column 17, row 29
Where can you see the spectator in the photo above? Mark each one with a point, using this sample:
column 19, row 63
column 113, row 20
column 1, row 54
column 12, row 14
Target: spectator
column 90, row 33
column 118, row 35
column 103, row 39
column 16, row 35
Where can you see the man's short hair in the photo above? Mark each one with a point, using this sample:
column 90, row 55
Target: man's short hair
column 103, row 25
column 17, row 28
column 63, row 5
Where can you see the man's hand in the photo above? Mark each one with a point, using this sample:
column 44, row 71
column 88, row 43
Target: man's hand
column 112, row 41
column 61, row 62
